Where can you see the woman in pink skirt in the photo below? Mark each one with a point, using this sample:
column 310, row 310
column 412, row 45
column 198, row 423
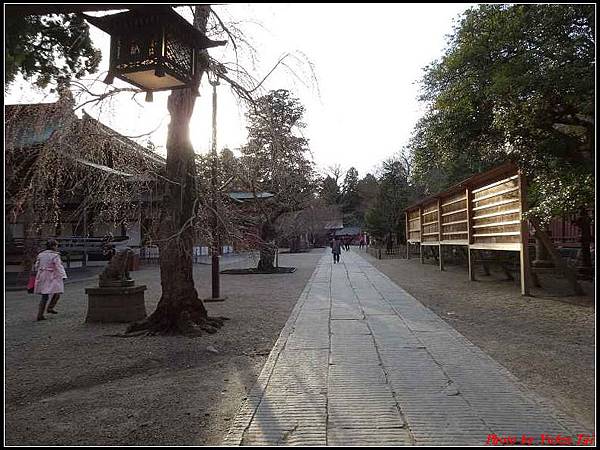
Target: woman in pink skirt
column 49, row 277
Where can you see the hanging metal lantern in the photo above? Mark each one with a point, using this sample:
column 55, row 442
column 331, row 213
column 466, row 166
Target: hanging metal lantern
column 153, row 48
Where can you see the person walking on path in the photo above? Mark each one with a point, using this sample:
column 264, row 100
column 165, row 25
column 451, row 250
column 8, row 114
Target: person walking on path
column 361, row 243
column 49, row 278
column 336, row 249
column 347, row 243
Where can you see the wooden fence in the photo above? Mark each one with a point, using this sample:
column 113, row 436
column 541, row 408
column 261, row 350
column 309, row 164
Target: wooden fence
column 397, row 251
column 484, row 212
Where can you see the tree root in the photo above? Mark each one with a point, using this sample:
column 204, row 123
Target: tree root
column 187, row 323
column 127, row 335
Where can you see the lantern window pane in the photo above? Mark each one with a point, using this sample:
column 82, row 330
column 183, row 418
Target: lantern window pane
column 179, row 54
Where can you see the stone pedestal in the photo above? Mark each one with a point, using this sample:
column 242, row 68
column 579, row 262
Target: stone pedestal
column 116, row 304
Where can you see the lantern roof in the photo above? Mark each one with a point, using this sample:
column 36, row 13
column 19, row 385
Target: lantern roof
column 146, row 17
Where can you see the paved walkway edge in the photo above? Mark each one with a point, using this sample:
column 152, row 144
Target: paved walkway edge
column 246, row 413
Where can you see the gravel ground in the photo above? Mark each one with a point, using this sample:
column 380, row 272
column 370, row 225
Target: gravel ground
column 69, row 383
column 548, row 340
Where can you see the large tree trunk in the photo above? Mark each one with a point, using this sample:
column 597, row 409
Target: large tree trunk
column 556, row 258
column 267, row 250
column 179, row 309
column 584, row 223
column 295, row 244
column 541, row 254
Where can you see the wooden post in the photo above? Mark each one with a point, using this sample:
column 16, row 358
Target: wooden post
column 469, row 234
column 407, row 234
column 216, row 245
column 524, row 253
column 85, row 238
column 440, row 232
column 421, row 235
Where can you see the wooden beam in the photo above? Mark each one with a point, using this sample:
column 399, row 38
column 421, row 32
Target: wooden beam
column 454, row 201
column 496, row 194
column 407, row 235
column 441, row 261
column 501, row 213
column 515, row 246
column 460, row 242
column 454, row 212
column 498, row 224
column 524, row 253
column 469, row 234
column 507, row 233
column 421, row 235
column 493, row 205
column 456, row 222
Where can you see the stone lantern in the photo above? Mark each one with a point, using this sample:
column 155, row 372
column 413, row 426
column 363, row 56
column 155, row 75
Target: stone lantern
column 153, row 48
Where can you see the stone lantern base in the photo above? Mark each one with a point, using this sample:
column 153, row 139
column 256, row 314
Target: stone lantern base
column 116, row 304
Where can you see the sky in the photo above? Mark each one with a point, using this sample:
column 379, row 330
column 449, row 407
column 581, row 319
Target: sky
column 355, row 68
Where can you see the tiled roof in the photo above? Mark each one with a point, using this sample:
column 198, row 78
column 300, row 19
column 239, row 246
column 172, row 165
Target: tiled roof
column 334, row 224
column 348, row 231
column 243, row 196
column 27, row 125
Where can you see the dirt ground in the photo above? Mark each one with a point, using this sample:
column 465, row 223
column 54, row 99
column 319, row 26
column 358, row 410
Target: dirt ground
column 547, row 341
column 69, row 383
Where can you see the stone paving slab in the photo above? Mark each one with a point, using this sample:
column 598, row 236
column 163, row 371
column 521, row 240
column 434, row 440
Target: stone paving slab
column 349, row 327
column 362, row 362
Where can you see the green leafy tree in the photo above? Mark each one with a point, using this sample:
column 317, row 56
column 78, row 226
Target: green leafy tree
column 516, row 82
column 368, row 190
column 48, row 48
column 385, row 220
column 329, row 191
column 350, row 197
column 277, row 160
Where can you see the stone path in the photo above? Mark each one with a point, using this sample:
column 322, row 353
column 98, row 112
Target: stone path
column 362, row 362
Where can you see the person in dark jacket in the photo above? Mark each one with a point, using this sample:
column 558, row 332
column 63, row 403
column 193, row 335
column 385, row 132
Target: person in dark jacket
column 336, row 249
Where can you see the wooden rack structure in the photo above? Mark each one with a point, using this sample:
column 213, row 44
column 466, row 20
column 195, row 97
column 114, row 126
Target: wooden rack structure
column 483, row 212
